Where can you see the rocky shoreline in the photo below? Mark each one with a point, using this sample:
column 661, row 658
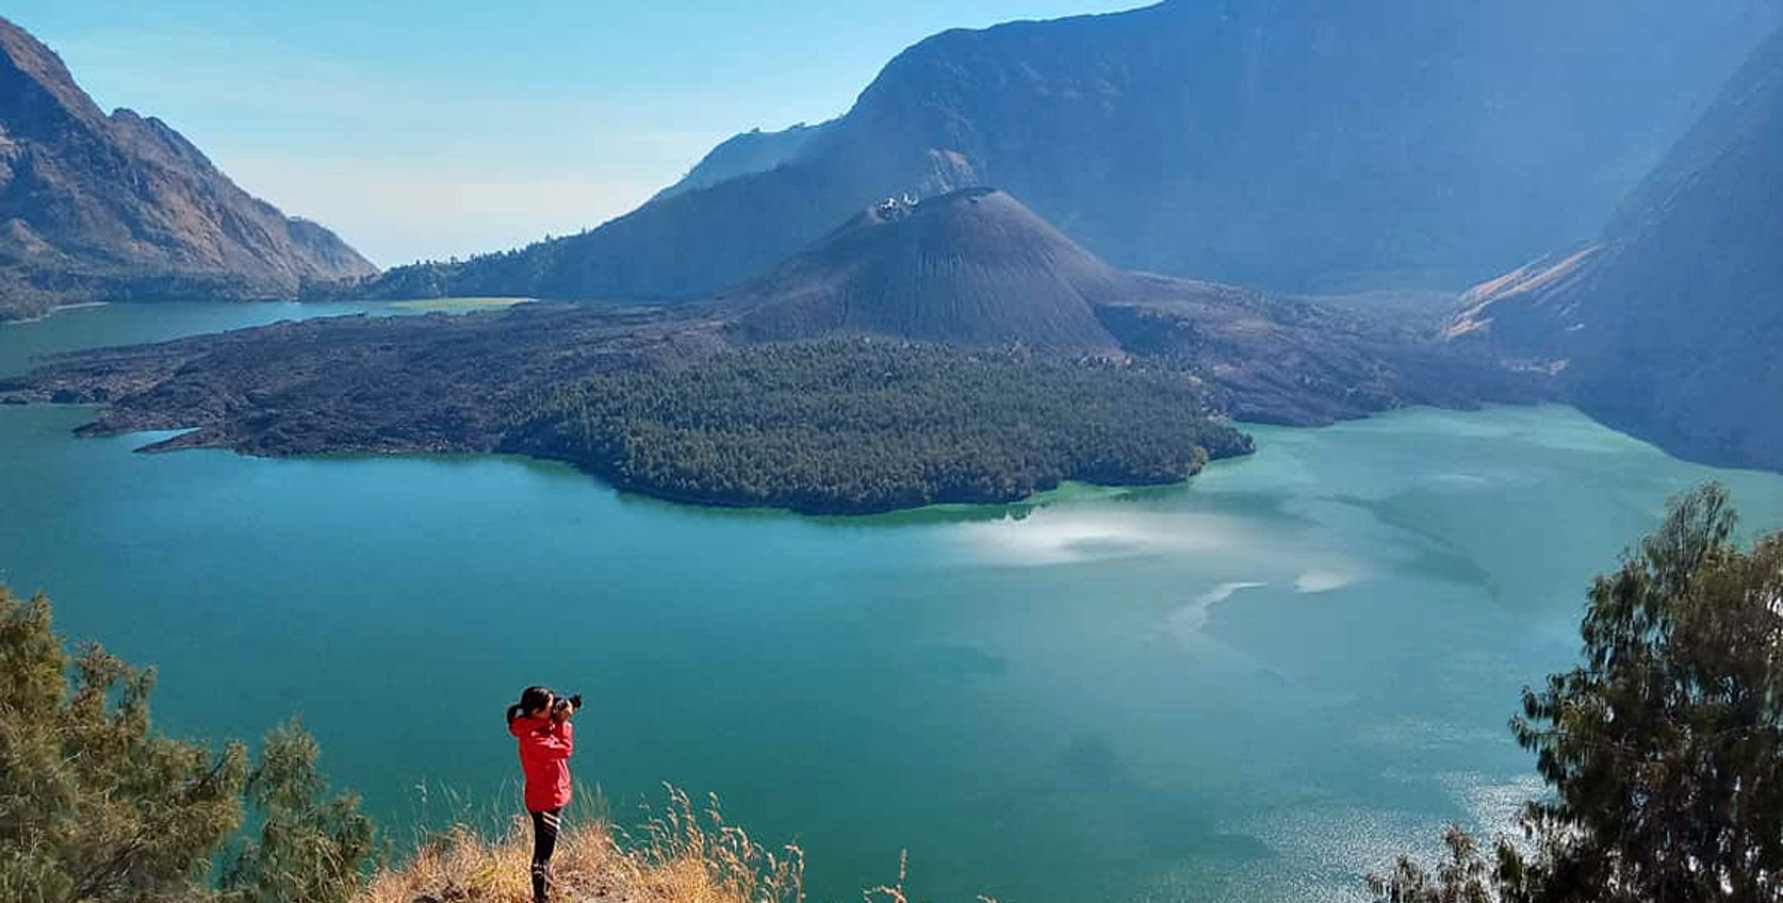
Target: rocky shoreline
column 467, row 383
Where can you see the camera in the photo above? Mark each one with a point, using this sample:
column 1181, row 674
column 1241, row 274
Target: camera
column 574, row 699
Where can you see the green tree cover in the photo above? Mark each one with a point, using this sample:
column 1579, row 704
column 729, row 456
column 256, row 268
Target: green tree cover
column 848, row 426
column 1663, row 751
column 95, row 805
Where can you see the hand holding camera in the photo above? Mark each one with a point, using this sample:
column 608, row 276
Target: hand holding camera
column 566, row 706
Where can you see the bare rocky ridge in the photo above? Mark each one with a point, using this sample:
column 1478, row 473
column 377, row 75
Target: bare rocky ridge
column 121, row 207
column 1297, row 145
column 1669, row 327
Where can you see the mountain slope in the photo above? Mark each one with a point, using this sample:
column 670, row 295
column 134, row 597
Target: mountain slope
column 750, row 152
column 122, row 206
column 973, row 267
column 963, row 281
column 1290, row 144
column 1669, row 328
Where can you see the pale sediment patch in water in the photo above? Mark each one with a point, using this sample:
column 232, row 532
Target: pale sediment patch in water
column 1186, row 624
column 1223, row 592
column 1462, row 481
column 1186, row 629
column 1052, row 536
column 1480, row 479
column 1324, row 580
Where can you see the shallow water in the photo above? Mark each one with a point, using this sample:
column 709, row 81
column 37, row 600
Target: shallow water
column 1253, row 687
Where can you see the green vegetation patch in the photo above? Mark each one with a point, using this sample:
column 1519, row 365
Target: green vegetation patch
column 856, row 426
column 97, row 805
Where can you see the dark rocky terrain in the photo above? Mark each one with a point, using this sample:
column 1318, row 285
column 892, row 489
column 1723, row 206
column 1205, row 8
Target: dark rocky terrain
column 1298, row 145
column 973, row 267
column 121, row 207
column 970, row 270
column 430, row 383
column 977, row 267
column 1670, row 326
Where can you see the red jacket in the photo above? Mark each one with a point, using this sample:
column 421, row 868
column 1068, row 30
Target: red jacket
column 545, row 747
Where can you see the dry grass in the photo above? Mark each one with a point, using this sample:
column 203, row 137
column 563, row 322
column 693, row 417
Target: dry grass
column 682, row 856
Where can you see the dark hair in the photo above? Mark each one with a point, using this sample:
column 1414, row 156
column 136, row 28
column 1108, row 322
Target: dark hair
column 530, row 698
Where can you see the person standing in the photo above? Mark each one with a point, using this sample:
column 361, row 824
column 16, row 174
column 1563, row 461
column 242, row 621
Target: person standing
column 540, row 721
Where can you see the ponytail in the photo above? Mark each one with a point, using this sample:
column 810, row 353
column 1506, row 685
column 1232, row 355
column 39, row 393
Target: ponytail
column 530, row 698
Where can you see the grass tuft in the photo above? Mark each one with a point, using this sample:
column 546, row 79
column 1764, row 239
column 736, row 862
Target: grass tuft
column 679, row 855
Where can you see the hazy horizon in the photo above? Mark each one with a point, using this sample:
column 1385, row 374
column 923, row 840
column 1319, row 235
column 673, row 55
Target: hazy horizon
column 452, row 130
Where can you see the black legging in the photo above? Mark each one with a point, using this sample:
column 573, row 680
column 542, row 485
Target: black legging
column 544, row 841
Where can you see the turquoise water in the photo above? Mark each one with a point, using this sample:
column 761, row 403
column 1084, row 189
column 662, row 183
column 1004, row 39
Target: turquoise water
column 1253, row 687
column 124, row 324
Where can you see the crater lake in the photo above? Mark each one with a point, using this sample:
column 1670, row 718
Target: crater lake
column 1255, row 686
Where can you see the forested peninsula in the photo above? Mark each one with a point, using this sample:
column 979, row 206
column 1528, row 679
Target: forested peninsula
column 863, row 425
column 833, row 426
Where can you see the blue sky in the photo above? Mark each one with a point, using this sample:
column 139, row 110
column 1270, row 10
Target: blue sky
column 432, row 129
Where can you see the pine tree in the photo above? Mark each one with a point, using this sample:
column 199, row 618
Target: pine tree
column 97, row 806
column 311, row 847
column 1663, row 749
column 93, row 804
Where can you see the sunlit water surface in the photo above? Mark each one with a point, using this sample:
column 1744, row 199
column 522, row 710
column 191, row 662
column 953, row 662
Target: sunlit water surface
column 1254, row 687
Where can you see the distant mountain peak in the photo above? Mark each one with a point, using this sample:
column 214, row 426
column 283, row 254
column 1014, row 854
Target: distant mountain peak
column 35, row 82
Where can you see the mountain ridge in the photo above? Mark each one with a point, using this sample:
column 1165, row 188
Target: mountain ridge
column 974, row 269
column 121, row 206
column 1178, row 138
column 1667, row 326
